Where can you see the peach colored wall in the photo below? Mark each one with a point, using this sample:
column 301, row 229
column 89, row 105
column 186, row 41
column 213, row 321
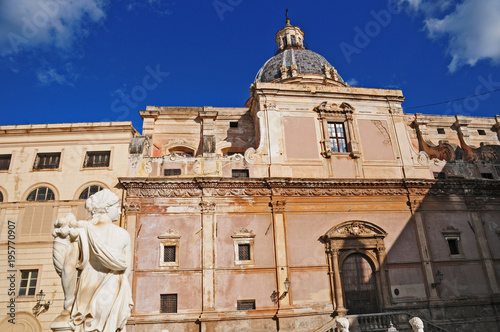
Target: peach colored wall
column 304, row 230
column 375, row 142
column 148, row 244
column 462, row 280
column 308, row 287
column 259, row 224
column 186, row 286
column 408, row 281
column 343, row 166
column 435, row 222
column 491, row 222
column 300, row 138
column 232, row 287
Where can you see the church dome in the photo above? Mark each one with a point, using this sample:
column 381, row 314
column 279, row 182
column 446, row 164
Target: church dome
column 307, row 61
column 294, row 63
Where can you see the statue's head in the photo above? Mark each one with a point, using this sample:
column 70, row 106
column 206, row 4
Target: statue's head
column 104, row 202
column 417, row 324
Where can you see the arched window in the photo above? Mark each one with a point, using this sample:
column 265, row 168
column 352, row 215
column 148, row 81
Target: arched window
column 89, row 191
column 1, row 197
column 41, row 194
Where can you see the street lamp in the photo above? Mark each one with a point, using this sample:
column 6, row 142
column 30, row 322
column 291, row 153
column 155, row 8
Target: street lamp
column 439, row 278
column 40, row 307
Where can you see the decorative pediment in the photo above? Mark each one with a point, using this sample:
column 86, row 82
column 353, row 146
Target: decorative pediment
column 169, row 234
column 343, row 108
column 242, row 233
column 356, row 228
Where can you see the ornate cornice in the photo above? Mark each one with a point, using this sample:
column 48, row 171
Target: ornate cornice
column 229, row 187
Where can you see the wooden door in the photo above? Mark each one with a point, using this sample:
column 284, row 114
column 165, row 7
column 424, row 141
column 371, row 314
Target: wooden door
column 360, row 286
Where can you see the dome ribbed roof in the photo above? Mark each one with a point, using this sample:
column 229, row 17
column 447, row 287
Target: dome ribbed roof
column 308, row 62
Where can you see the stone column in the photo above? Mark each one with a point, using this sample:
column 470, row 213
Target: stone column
column 381, row 254
column 278, row 209
column 475, row 206
column 208, row 255
column 423, row 246
column 339, row 294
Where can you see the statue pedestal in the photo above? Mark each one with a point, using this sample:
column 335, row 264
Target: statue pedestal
column 61, row 323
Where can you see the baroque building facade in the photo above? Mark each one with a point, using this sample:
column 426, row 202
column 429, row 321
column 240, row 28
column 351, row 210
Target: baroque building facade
column 315, row 200
column 47, row 171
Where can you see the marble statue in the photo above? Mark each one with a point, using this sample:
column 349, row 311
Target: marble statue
column 416, row 324
column 101, row 300
column 342, row 324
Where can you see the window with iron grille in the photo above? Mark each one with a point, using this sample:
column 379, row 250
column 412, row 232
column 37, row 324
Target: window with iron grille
column 27, row 287
column 169, row 253
column 240, row 173
column 5, row 162
column 41, row 194
column 168, row 303
column 336, row 133
column 172, row 171
column 246, row 305
column 97, row 159
column 47, row 160
column 244, row 252
column 89, row 191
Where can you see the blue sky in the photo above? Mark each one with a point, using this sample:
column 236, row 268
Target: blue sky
column 97, row 60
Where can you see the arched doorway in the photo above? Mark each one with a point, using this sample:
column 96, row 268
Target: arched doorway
column 356, row 259
column 25, row 322
column 360, row 285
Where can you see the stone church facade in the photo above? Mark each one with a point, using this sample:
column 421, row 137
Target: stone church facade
column 315, row 200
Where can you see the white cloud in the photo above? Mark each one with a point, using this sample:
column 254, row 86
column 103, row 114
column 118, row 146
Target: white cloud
column 352, row 82
column 160, row 7
column 473, row 32
column 64, row 76
column 29, row 24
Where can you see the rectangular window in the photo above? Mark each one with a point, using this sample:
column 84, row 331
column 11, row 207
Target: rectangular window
column 169, row 253
column 487, row 175
column 244, row 252
column 47, row 160
column 240, row 173
column 27, row 286
column 481, row 132
column 453, row 245
column 440, row 131
column 439, row 175
column 168, row 303
column 172, row 171
column 233, row 124
column 97, row 159
column 5, row 162
column 337, row 136
column 246, row 305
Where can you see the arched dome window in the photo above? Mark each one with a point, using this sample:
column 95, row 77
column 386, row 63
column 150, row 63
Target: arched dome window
column 41, row 194
column 89, row 191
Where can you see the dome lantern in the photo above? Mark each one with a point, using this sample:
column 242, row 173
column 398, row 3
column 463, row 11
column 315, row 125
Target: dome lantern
column 290, row 36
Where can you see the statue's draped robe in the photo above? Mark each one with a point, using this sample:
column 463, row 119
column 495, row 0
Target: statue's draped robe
column 104, row 299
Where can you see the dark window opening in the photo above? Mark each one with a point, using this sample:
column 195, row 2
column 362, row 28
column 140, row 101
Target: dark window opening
column 89, row 191
column 439, row 175
column 47, row 160
column 244, row 252
column 172, row 171
column 481, row 132
column 440, row 130
column 246, row 305
column 168, row 303
column 487, row 175
column 1, row 197
column 27, row 287
column 240, row 173
column 453, row 245
column 169, row 253
column 97, row 159
column 337, row 137
column 41, row 194
column 284, row 42
column 294, row 41
column 5, row 162
column 233, row 124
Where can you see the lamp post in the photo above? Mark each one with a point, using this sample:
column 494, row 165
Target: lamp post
column 40, row 307
column 439, row 278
